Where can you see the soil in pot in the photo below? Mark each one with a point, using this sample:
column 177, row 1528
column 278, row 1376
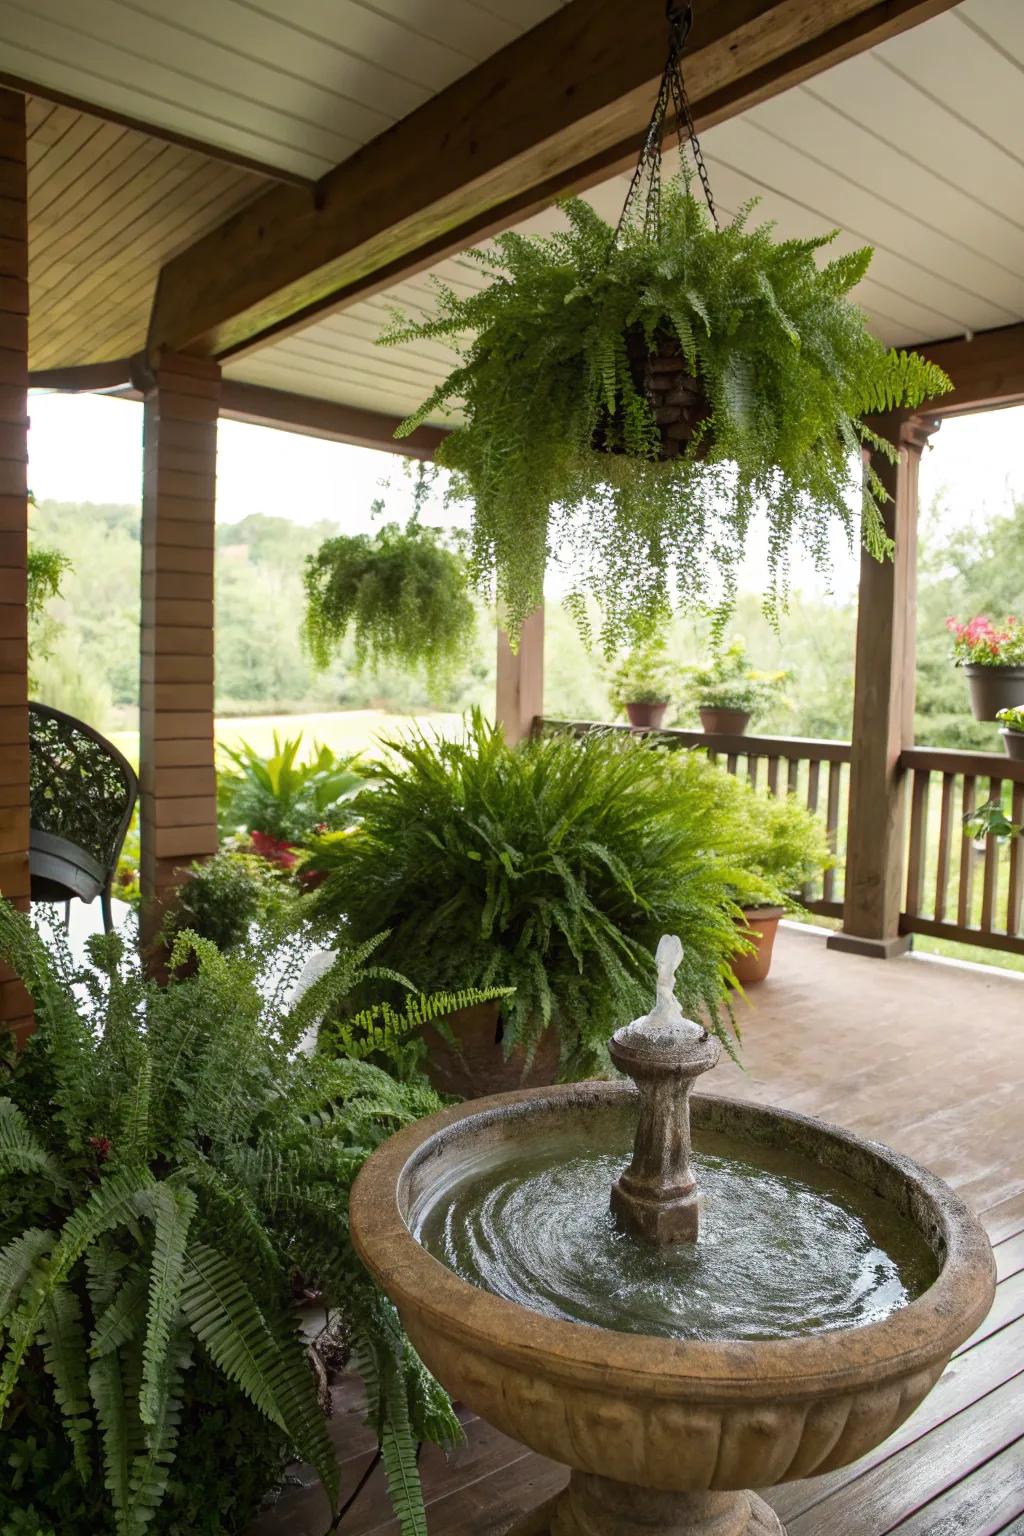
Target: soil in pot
column 647, row 716
column 759, row 926
column 993, row 689
column 476, row 1065
column 724, row 722
column 1013, row 743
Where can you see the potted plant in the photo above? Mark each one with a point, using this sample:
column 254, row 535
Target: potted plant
column 628, row 396
column 552, row 868
column 784, row 845
column 727, row 691
column 401, row 592
column 993, row 663
column 169, row 1159
column 642, row 685
column 1012, row 732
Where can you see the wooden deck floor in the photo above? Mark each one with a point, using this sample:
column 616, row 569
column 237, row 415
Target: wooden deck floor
column 922, row 1054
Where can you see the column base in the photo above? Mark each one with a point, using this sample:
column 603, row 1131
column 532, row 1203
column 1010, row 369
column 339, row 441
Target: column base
column 874, row 949
column 597, row 1506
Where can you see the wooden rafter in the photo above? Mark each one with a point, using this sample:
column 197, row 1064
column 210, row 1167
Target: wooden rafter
column 559, row 109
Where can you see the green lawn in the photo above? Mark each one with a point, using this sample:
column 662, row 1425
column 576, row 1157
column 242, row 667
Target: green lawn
column 355, row 730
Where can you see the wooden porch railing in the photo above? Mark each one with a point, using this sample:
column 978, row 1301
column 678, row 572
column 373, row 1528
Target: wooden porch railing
column 816, row 772
column 956, row 887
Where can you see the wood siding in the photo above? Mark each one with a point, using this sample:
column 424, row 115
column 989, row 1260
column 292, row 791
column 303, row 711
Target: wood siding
column 178, row 792
column 15, row 1007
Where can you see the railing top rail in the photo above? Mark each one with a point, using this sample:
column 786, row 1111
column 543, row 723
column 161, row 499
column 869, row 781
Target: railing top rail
column 799, row 748
column 979, row 765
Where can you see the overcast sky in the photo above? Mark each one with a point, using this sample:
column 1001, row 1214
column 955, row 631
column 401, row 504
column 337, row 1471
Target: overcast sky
column 88, row 448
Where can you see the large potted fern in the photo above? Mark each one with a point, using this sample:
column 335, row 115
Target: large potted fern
column 627, row 398
column 552, row 868
column 169, row 1158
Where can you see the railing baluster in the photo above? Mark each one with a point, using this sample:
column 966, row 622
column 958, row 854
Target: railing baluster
column 967, row 806
column 813, row 779
column 990, row 875
column 773, row 776
column 918, row 840
column 753, row 770
column 793, row 775
column 945, row 830
column 835, row 776
column 1016, row 880
column 730, row 763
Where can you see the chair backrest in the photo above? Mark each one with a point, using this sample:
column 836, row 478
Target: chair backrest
column 81, row 788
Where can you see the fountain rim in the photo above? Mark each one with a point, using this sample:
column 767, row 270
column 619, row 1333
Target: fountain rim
column 914, row 1337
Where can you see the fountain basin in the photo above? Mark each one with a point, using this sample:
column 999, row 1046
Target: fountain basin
column 683, row 1416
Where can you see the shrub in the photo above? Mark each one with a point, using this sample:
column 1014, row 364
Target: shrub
column 728, row 681
column 284, row 796
column 169, row 1159
column 553, row 868
column 225, row 895
column 645, row 675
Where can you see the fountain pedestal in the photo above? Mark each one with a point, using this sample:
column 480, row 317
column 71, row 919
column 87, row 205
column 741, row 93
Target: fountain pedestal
column 597, row 1506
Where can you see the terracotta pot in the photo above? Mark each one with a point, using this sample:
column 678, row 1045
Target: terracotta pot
column 649, row 717
column 993, row 689
column 724, row 722
column 477, row 1065
column 1013, row 744
column 759, row 926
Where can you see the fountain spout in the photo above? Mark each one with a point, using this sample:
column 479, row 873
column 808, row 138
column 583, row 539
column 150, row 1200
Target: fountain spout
column 655, row 1198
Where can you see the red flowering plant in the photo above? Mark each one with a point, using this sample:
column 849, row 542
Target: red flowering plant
column 978, row 642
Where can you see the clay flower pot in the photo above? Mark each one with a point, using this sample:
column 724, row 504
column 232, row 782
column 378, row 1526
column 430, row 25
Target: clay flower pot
column 1013, row 744
column 993, row 689
column 648, row 717
column 476, row 1065
column 759, row 925
column 724, row 722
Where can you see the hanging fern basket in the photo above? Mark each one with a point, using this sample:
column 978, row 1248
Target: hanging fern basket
column 632, row 397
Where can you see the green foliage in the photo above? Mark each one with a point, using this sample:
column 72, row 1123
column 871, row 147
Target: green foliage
column 786, row 361
column 401, row 592
column 645, row 675
column 779, row 843
column 728, row 681
column 1012, row 719
column 286, row 796
column 169, row 1158
column 225, row 895
column 553, row 868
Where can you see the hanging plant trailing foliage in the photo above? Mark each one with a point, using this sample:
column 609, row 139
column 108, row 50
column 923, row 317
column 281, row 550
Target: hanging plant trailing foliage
column 630, row 396
column 404, row 594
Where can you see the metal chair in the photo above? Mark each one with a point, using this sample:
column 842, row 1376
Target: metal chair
column 82, row 793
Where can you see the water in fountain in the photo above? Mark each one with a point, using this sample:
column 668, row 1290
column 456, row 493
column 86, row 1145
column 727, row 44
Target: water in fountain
column 786, row 1247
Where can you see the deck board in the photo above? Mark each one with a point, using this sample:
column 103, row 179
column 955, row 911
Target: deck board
column 928, row 1057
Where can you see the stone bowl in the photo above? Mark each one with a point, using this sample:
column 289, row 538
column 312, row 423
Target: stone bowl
column 679, row 1417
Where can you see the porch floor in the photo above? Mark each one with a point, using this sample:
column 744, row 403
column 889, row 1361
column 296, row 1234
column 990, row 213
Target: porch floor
column 927, row 1056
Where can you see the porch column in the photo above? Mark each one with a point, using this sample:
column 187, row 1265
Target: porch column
column 883, row 710
column 15, row 1007
column 520, row 689
column 178, row 791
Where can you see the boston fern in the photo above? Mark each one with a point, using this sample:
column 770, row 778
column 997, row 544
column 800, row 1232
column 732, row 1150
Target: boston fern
column 560, row 445
column 170, row 1159
column 552, row 868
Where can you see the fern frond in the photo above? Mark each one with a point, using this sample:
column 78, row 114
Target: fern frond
column 21, row 1150
column 172, row 1210
column 17, row 1261
column 64, row 1356
column 902, row 379
column 122, row 1319
column 110, row 1400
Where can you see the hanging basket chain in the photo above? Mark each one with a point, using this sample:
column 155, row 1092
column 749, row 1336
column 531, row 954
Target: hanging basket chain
column 645, row 186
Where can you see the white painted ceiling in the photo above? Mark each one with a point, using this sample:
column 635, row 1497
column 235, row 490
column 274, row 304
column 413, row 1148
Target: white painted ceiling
column 916, row 148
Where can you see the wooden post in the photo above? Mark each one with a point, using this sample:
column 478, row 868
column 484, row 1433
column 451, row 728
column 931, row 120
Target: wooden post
column 883, row 710
column 520, row 690
column 178, row 790
column 15, row 1006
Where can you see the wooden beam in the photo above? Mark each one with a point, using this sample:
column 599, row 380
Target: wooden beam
column 15, row 1006
column 177, row 815
column 325, row 418
column 987, row 370
column 560, row 108
column 519, row 701
column 83, row 378
column 883, row 711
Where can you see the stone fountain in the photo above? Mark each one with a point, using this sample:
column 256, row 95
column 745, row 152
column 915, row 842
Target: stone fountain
column 764, row 1304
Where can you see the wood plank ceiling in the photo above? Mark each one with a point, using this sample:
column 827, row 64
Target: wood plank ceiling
column 107, row 207
column 916, row 148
